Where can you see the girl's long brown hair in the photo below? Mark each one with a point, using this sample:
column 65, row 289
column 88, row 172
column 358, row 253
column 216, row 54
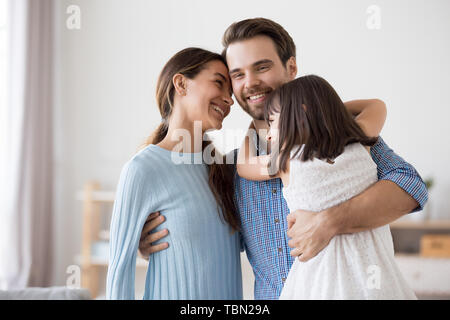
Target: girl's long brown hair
column 189, row 62
column 313, row 115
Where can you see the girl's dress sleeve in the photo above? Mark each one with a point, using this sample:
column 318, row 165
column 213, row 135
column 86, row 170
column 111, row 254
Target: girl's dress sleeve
column 133, row 203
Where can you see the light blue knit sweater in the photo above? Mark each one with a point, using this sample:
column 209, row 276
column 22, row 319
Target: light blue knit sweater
column 203, row 258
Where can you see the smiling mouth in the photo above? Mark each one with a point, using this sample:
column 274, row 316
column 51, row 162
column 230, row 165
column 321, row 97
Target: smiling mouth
column 218, row 109
column 258, row 97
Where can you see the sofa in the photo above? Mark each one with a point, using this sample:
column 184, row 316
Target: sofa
column 51, row 293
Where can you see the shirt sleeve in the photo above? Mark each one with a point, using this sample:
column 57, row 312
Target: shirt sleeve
column 133, row 203
column 392, row 167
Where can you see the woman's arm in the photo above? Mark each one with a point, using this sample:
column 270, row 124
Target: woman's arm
column 129, row 214
column 249, row 165
column 369, row 114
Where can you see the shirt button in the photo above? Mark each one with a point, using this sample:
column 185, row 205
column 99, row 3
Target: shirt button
column 280, row 250
column 274, row 191
column 277, row 220
column 283, row 279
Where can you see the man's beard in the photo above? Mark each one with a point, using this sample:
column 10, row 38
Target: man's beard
column 256, row 113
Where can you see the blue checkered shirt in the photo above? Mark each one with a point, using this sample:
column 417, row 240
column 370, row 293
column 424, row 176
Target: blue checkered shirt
column 263, row 212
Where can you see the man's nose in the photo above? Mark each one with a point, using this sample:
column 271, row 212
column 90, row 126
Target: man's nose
column 251, row 81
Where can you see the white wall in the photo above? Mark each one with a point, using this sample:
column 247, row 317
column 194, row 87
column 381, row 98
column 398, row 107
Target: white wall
column 107, row 71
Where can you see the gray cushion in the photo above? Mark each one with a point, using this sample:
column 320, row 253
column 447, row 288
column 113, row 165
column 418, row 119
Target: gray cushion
column 52, row 293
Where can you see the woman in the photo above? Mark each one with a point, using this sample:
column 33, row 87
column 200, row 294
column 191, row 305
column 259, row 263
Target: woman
column 203, row 258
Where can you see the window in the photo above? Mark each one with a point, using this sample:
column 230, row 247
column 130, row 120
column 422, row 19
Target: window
column 3, row 98
column 3, row 88
column 3, row 72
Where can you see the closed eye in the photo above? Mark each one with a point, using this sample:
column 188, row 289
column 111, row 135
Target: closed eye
column 263, row 68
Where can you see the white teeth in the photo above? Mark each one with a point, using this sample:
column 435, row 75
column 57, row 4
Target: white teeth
column 257, row 96
column 218, row 110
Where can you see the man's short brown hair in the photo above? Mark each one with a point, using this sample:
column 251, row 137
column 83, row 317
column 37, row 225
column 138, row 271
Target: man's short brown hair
column 249, row 28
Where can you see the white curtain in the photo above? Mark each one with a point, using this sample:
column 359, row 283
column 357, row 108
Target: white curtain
column 26, row 190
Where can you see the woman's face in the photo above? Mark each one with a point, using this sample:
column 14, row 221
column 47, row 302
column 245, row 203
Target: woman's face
column 208, row 96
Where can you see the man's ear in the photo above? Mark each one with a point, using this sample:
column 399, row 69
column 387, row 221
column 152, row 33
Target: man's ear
column 291, row 67
column 179, row 83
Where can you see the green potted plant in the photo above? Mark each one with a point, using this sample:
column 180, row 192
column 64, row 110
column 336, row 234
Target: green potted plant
column 429, row 183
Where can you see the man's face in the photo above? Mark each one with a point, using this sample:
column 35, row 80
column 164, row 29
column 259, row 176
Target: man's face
column 256, row 70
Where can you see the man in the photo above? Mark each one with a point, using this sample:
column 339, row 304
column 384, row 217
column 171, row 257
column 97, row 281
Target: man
column 261, row 56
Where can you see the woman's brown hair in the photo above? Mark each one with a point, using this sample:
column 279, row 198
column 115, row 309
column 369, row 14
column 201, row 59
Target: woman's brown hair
column 312, row 114
column 190, row 62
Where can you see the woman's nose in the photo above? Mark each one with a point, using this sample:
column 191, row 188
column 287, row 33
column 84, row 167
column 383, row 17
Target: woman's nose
column 228, row 100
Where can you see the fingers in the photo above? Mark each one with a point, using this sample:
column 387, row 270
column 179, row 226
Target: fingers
column 290, row 224
column 152, row 216
column 292, row 243
column 290, row 220
column 158, row 247
column 289, row 233
column 298, row 242
column 304, row 254
column 307, row 255
column 301, row 256
column 155, row 236
column 153, row 221
column 296, row 252
column 145, row 245
column 146, row 251
column 148, row 237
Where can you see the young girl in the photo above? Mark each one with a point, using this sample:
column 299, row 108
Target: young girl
column 323, row 157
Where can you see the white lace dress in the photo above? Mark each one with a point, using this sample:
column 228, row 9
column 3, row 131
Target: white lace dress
column 351, row 266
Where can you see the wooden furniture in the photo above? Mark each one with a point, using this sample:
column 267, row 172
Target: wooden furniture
column 435, row 246
column 95, row 237
column 424, row 266
column 422, row 225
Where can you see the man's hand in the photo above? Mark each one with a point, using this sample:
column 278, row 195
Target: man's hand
column 310, row 232
column 381, row 204
column 147, row 237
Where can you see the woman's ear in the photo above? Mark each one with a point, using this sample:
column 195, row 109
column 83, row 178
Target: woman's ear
column 291, row 67
column 179, row 83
